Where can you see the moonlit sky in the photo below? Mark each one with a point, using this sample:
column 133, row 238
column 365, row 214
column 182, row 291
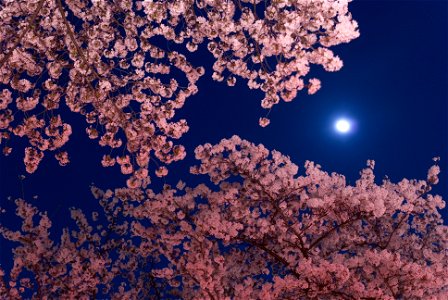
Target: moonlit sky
column 393, row 86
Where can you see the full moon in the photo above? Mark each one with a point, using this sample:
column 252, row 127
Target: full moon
column 342, row 126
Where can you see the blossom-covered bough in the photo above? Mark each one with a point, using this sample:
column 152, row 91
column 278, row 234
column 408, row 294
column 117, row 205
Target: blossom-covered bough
column 261, row 232
column 108, row 61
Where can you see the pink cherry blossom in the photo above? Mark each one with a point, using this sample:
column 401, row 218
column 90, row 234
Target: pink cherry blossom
column 264, row 122
column 114, row 69
column 260, row 231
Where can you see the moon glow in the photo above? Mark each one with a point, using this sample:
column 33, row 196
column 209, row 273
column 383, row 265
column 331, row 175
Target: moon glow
column 342, row 126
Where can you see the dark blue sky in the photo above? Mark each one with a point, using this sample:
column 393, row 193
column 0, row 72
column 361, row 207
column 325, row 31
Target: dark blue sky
column 393, row 83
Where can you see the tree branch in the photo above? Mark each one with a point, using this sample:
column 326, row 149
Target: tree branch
column 271, row 253
column 27, row 29
column 73, row 39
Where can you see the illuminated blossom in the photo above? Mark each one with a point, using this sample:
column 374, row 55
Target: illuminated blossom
column 313, row 235
column 314, row 86
column 107, row 67
column 62, row 158
column 264, row 122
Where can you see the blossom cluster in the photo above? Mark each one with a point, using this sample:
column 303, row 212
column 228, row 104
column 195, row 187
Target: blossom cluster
column 262, row 231
column 272, row 44
column 108, row 70
column 105, row 61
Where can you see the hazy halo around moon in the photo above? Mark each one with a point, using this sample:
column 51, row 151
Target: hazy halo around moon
column 342, row 126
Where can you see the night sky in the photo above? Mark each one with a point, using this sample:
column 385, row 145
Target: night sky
column 393, row 85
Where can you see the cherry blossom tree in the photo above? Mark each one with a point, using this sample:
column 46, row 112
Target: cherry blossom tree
column 260, row 231
column 107, row 61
